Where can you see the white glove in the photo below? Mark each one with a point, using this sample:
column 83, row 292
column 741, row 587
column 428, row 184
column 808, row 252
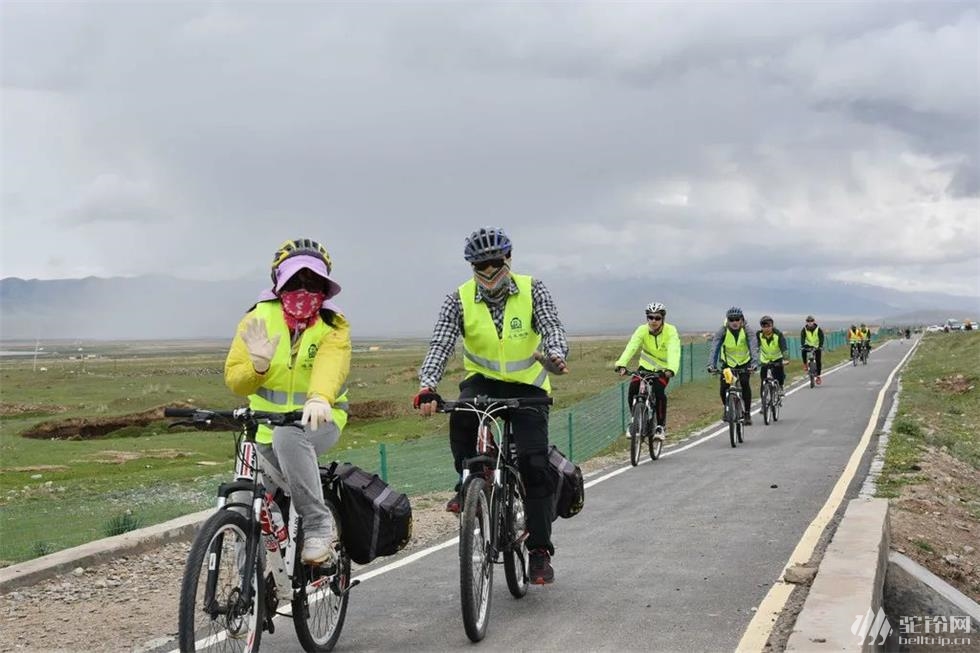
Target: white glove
column 316, row 411
column 260, row 348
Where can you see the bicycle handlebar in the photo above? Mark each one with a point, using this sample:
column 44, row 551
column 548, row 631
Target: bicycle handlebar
column 643, row 372
column 201, row 416
column 484, row 402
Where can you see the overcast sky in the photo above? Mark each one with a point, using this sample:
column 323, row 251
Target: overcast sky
column 817, row 140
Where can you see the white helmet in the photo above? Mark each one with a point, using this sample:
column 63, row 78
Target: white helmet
column 656, row 307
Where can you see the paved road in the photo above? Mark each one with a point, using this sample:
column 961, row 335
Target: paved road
column 668, row 556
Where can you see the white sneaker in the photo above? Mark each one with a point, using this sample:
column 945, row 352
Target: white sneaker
column 659, row 433
column 318, row 551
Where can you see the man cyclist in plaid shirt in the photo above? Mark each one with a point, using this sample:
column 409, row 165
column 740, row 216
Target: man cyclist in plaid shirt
column 501, row 315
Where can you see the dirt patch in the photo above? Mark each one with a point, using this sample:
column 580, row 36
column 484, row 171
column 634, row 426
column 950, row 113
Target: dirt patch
column 937, row 522
column 112, row 457
column 8, row 409
column 377, row 408
column 139, row 594
column 956, row 384
column 86, row 428
column 36, row 468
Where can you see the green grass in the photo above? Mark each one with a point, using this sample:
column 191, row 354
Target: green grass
column 936, row 409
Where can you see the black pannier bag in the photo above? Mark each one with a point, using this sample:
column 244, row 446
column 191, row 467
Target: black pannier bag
column 569, row 485
column 374, row 519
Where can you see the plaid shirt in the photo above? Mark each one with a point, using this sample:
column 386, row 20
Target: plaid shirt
column 449, row 326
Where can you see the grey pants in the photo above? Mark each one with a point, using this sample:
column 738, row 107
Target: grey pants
column 291, row 463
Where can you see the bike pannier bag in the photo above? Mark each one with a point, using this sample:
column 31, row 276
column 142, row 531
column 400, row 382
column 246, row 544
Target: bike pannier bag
column 569, row 485
column 374, row 519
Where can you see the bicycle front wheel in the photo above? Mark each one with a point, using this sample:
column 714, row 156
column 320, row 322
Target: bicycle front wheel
column 515, row 553
column 637, row 429
column 475, row 559
column 734, row 420
column 766, row 402
column 320, row 602
column 212, row 615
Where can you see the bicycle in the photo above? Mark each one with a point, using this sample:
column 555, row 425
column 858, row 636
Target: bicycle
column 735, row 408
column 492, row 526
column 245, row 560
column 811, row 365
column 856, row 348
column 644, row 411
column 771, row 396
column 865, row 350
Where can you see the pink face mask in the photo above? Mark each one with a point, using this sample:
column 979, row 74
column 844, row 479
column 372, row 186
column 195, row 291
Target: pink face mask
column 301, row 307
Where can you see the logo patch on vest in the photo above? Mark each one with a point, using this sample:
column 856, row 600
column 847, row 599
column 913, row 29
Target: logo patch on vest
column 310, row 355
column 517, row 329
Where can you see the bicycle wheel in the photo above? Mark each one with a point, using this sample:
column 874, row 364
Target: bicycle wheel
column 766, row 402
column 638, row 428
column 811, row 370
column 734, row 420
column 320, row 601
column 776, row 405
column 515, row 553
column 211, row 616
column 475, row 559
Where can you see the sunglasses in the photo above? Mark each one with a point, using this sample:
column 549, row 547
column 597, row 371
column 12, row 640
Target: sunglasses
column 734, row 319
column 656, row 318
column 811, row 321
column 486, row 265
column 767, row 324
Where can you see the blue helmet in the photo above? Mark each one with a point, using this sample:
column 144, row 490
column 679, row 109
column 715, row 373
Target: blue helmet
column 486, row 244
column 734, row 313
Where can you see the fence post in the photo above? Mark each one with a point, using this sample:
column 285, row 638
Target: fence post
column 571, row 439
column 622, row 407
column 690, row 357
column 383, row 454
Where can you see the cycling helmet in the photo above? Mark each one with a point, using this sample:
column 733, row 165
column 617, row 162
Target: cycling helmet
column 863, row 325
column 486, row 244
column 656, row 307
column 292, row 248
column 735, row 313
column 764, row 319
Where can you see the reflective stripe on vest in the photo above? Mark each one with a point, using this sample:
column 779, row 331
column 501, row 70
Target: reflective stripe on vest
column 769, row 350
column 281, row 385
column 735, row 352
column 509, row 357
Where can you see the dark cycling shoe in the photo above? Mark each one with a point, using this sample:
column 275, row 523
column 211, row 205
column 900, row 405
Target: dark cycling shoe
column 541, row 572
column 748, row 420
column 454, row 505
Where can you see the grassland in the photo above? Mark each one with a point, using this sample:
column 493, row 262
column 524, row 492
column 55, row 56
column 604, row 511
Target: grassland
column 58, row 493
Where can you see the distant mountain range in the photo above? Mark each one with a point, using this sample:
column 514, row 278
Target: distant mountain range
column 162, row 307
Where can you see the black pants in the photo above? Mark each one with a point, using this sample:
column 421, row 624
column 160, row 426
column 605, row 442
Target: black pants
column 743, row 378
column 778, row 373
column 659, row 386
column 530, row 427
column 816, row 355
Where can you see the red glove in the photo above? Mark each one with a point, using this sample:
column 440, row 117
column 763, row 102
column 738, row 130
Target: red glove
column 424, row 396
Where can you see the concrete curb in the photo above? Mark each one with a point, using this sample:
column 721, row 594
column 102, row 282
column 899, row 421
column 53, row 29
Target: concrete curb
column 104, row 550
column 911, row 589
column 850, row 581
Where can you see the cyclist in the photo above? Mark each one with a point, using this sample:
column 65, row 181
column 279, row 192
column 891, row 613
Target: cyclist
column 854, row 338
column 292, row 351
column 660, row 350
column 865, row 337
column 811, row 338
column 505, row 319
column 735, row 345
column 773, row 351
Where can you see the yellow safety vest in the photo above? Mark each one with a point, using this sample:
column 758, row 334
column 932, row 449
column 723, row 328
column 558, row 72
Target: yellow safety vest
column 284, row 386
column 812, row 338
column 854, row 336
column 507, row 358
column 735, row 351
column 769, row 350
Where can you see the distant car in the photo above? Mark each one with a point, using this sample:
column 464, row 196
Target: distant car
column 954, row 325
column 933, row 328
